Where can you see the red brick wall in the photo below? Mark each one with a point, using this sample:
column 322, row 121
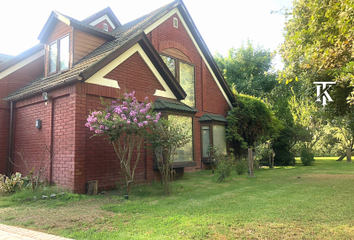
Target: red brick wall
column 102, row 163
column 100, row 25
column 29, row 140
column 4, row 136
column 8, row 85
column 69, row 152
column 134, row 75
column 209, row 98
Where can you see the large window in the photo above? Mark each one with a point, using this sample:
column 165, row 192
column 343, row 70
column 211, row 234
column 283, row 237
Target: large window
column 59, row 55
column 184, row 73
column 213, row 135
column 184, row 153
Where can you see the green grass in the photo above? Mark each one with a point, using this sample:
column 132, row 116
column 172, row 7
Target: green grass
column 313, row 202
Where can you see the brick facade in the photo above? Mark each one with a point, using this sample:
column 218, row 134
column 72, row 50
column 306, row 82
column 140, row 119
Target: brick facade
column 79, row 158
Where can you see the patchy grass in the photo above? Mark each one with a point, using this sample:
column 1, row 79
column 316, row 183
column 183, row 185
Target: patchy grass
column 313, row 202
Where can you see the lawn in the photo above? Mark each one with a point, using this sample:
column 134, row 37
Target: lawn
column 314, row 202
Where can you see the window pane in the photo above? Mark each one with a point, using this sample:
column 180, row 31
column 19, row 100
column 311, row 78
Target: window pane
column 206, row 141
column 219, row 138
column 171, row 64
column 187, row 82
column 64, row 53
column 53, row 57
column 184, row 153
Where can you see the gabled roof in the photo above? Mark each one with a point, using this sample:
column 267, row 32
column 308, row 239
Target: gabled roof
column 56, row 16
column 167, row 104
column 124, row 37
column 22, row 56
column 212, row 117
column 4, row 57
column 107, row 11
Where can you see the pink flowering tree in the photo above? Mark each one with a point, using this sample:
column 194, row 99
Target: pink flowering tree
column 124, row 123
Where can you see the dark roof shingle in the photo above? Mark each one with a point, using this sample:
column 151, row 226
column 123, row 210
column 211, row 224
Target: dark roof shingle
column 174, row 105
column 212, row 117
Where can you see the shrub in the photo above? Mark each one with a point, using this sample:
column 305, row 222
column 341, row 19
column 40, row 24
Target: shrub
column 224, row 164
column 307, row 158
column 241, row 166
column 12, row 184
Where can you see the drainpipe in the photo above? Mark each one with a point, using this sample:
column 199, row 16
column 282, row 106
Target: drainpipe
column 51, row 142
column 10, row 153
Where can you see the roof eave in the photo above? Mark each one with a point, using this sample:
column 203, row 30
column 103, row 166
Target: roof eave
column 197, row 36
column 152, row 54
column 16, row 59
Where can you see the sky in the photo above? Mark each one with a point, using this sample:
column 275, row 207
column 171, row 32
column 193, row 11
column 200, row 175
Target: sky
column 223, row 23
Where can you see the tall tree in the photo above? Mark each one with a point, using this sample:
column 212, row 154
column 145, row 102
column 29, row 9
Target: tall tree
column 319, row 47
column 248, row 69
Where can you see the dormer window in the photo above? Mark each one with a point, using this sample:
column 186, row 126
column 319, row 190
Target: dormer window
column 105, row 27
column 59, row 55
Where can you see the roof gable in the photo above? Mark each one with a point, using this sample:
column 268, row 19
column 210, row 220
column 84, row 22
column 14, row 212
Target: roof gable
column 180, row 9
column 56, row 16
column 105, row 14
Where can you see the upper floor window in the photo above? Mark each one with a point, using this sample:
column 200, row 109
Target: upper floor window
column 105, row 27
column 59, row 55
column 184, row 73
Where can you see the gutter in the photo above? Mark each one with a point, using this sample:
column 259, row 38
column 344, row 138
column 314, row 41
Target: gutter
column 10, row 153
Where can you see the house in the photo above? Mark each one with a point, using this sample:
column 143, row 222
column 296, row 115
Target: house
column 48, row 90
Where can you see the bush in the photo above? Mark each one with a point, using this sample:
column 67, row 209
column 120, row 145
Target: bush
column 307, row 158
column 12, row 184
column 241, row 166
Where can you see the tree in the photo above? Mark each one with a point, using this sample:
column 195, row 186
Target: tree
column 251, row 120
column 165, row 137
column 318, row 47
column 247, row 69
column 124, row 123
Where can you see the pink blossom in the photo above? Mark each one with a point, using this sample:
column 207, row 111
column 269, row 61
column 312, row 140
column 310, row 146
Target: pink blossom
column 107, row 116
column 124, row 108
column 106, row 128
column 128, row 121
column 140, row 124
column 87, row 124
column 145, row 122
column 98, row 131
column 135, row 120
column 125, row 103
column 158, row 114
column 148, row 116
column 157, row 118
column 155, row 121
column 114, row 126
column 102, row 127
column 114, row 102
column 123, row 116
column 146, row 98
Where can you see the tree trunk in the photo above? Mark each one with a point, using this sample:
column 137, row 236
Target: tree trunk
column 250, row 162
column 349, row 155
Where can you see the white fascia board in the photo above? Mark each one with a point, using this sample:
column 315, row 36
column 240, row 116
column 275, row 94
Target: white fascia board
column 102, row 18
column 167, row 16
column 99, row 79
column 21, row 64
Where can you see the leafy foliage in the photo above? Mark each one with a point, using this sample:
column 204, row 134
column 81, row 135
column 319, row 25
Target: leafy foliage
column 318, row 47
column 10, row 184
column 307, row 157
column 164, row 138
column 251, row 120
column 247, row 69
column 124, row 123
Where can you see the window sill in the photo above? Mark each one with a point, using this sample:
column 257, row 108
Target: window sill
column 179, row 164
column 208, row 160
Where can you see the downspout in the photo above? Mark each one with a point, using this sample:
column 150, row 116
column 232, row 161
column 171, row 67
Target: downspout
column 10, row 153
column 51, row 142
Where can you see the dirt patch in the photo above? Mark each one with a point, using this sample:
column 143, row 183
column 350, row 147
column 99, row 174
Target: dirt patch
column 82, row 214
